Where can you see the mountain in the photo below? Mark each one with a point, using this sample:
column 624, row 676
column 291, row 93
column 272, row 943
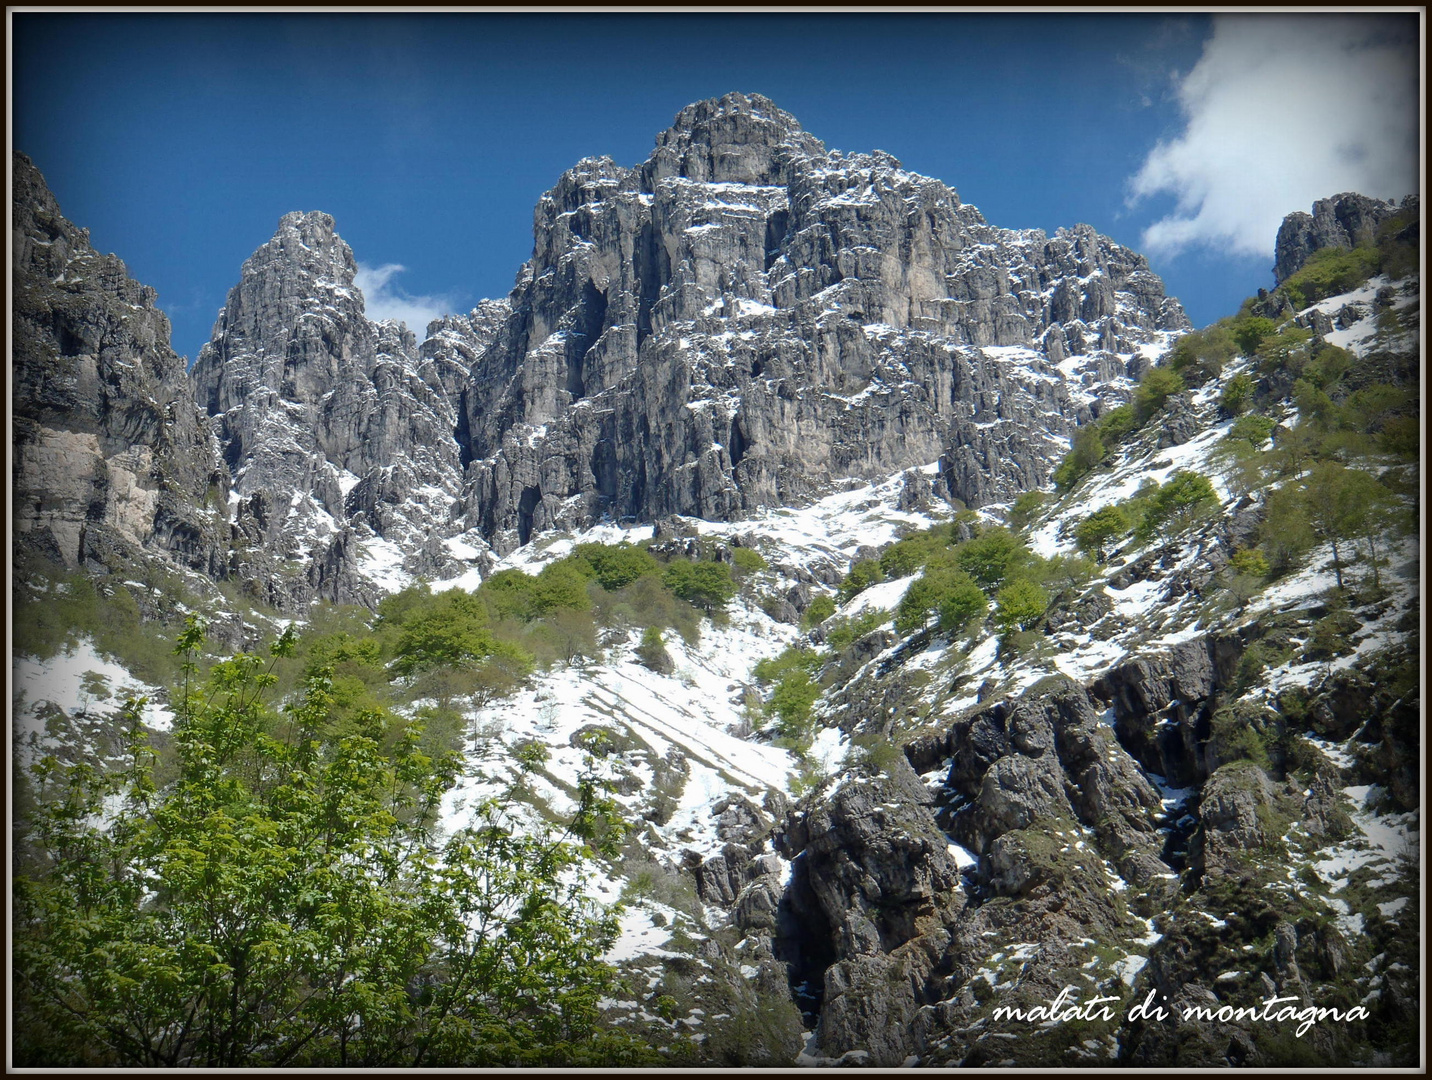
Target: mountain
column 112, row 460
column 736, row 323
column 957, row 629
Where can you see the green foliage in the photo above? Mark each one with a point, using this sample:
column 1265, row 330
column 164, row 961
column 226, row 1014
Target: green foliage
column 507, row 594
column 1287, row 350
column 560, row 586
column 946, row 592
column 793, row 658
column 1086, row 451
column 615, row 566
column 1328, row 365
column 748, row 560
column 821, row 608
column 795, row 691
column 1092, row 443
column 284, row 902
column 1254, row 430
column 1402, row 437
column 1183, row 499
column 1200, row 355
column 652, row 650
column 874, row 753
column 1022, row 512
column 904, row 557
column 1019, row 606
column 1154, row 390
column 1284, row 533
column 1238, row 394
column 1249, row 333
column 706, row 585
column 1343, row 505
column 52, row 610
column 847, row 632
column 1330, row 271
column 991, row 557
column 1251, row 562
column 1093, row 534
column 448, row 631
column 863, row 574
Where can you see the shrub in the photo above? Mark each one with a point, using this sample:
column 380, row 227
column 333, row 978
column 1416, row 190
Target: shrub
column 1019, row 606
column 1251, row 332
column 652, row 652
column 1022, row 512
column 748, row 560
column 706, row 585
column 847, row 632
column 1093, row 534
column 990, row 557
column 559, row 587
column 944, row 591
column 1238, row 394
column 863, row 574
column 1328, row 365
column 1330, row 271
column 1154, row 390
column 821, row 608
column 1186, row 497
column 1286, row 350
column 614, row 566
column 1251, row 562
column 906, row 556
column 1254, row 430
column 1086, row 451
column 1200, row 355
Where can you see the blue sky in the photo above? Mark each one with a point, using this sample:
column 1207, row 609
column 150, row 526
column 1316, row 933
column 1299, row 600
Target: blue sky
column 180, row 140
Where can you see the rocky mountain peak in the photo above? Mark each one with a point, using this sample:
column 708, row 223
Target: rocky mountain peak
column 1343, row 221
column 738, row 138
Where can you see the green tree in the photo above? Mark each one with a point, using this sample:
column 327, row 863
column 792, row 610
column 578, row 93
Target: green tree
column 1252, row 332
column 615, row 566
column 821, row 608
column 947, row 593
column 1284, row 532
column 1238, row 394
column 1344, row 505
column 1019, row 605
column 1154, row 390
column 1025, row 508
column 559, row 587
column 863, row 574
column 748, row 560
column 285, row 902
column 1092, row 535
column 1254, row 430
column 1086, row 451
column 707, row 585
column 1185, row 497
column 652, row 652
column 990, row 557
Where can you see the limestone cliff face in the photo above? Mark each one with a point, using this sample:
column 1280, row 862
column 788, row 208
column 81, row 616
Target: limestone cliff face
column 745, row 316
column 337, row 431
column 1343, row 221
column 112, row 460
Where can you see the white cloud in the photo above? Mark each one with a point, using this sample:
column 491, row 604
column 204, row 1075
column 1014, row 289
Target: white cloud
column 382, row 299
column 1280, row 111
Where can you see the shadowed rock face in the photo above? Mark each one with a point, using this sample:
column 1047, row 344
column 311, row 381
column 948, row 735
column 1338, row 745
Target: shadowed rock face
column 746, row 315
column 111, row 457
